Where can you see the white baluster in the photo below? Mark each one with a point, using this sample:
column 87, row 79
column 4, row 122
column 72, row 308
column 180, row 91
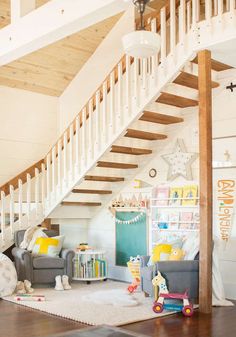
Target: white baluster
column 208, row 10
column 36, row 192
column 59, row 178
column 112, row 105
column 12, row 210
column 54, row 172
column 136, row 80
column 144, row 76
column 194, row 13
column 227, row 5
column 77, row 145
column 90, row 130
column 71, row 151
column 220, row 8
column 188, row 16
column 65, row 159
column 20, row 199
column 97, row 121
column 48, row 178
column 182, row 21
column 198, row 10
column 231, row 5
column 216, row 7
column 172, row 27
column 127, row 84
column 163, row 35
column 28, row 197
column 104, row 112
column 120, row 96
column 3, row 219
column 84, row 143
column 153, row 58
column 43, row 185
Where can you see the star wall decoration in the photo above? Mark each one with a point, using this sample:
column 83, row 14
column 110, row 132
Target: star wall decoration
column 180, row 161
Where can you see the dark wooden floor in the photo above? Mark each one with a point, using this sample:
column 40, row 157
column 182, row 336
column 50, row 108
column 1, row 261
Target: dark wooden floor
column 17, row 321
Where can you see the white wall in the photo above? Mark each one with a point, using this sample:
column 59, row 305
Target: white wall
column 101, row 229
column 95, row 70
column 28, row 128
column 75, row 231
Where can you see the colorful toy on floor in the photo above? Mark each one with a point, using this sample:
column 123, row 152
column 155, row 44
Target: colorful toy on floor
column 134, row 268
column 159, row 305
column 29, row 297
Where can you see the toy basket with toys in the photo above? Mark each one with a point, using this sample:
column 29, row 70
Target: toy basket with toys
column 134, row 268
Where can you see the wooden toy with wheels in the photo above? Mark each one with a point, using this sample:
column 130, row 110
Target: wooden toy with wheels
column 134, row 268
column 158, row 306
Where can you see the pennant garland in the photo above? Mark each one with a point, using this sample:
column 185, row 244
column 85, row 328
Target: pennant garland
column 136, row 219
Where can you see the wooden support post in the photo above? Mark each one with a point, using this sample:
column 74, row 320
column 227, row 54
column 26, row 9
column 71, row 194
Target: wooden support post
column 205, row 146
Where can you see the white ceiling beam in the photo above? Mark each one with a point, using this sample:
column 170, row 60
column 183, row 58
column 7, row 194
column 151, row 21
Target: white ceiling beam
column 52, row 22
column 20, row 8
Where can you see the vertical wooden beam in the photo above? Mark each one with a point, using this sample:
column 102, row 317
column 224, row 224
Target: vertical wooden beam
column 205, row 146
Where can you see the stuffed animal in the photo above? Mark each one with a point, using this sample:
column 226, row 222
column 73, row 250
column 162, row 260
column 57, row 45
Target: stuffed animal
column 177, row 254
column 161, row 252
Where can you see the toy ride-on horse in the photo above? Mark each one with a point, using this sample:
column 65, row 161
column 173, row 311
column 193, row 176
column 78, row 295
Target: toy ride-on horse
column 159, row 305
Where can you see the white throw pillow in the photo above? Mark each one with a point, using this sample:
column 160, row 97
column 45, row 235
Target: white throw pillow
column 8, row 276
column 50, row 246
column 38, row 234
column 191, row 246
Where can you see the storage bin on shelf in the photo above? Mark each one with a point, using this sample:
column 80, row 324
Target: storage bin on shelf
column 90, row 265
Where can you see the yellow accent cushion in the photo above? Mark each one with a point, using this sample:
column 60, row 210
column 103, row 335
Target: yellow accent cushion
column 177, row 254
column 48, row 246
column 161, row 252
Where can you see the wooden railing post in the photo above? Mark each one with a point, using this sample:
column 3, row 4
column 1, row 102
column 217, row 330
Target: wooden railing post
column 205, row 149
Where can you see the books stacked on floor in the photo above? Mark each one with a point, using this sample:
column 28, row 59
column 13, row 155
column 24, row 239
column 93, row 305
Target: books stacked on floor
column 93, row 268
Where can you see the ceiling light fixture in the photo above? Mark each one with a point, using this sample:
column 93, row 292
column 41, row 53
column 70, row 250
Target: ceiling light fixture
column 141, row 43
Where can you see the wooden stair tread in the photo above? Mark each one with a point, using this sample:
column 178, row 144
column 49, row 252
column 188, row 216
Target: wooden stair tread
column 154, row 117
column 130, row 150
column 131, row 133
column 88, row 191
column 174, row 100
column 190, row 81
column 81, row 203
column 104, row 178
column 215, row 65
column 116, row 165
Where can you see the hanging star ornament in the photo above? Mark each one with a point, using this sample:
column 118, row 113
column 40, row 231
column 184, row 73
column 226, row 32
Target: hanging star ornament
column 180, row 161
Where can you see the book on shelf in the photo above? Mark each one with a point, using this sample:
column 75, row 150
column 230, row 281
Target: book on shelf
column 196, row 217
column 190, row 193
column 163, row 219
column 185, row 220
column 176, row 194
column 161, row 194
column 174, row 220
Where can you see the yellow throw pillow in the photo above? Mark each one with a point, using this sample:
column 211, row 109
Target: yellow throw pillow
column 177, row 254
column 161, row 252
column 48, row 246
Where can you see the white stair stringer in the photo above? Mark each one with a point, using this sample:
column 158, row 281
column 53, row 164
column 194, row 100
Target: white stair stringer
column 110, row 112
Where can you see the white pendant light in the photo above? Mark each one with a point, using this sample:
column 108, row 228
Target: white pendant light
column 141, row 43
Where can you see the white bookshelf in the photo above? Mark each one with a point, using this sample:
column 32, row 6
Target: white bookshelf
column 89, row 265
column 168, row 209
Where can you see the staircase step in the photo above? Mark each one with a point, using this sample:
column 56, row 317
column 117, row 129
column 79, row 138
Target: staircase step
column 130, row 150
column 81, row 203
column 174, row 100
column 153, row 117
column 190, row 81
column 87, row 191
column 103, row 178
column 131, row 133
column 215, row 65
column 116, row 165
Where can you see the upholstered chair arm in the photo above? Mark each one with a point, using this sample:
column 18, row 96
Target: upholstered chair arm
column 23, row 263
column 68, row 255
column 144, row 260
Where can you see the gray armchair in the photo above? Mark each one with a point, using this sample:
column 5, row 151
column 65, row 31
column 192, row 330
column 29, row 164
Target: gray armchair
column 41, row 269
column 180, row 275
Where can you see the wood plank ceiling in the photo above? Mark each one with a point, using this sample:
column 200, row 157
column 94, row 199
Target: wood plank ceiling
column 49, row 70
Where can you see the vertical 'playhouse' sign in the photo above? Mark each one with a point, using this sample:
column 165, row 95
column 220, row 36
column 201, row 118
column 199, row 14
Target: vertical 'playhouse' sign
column 225, row 207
